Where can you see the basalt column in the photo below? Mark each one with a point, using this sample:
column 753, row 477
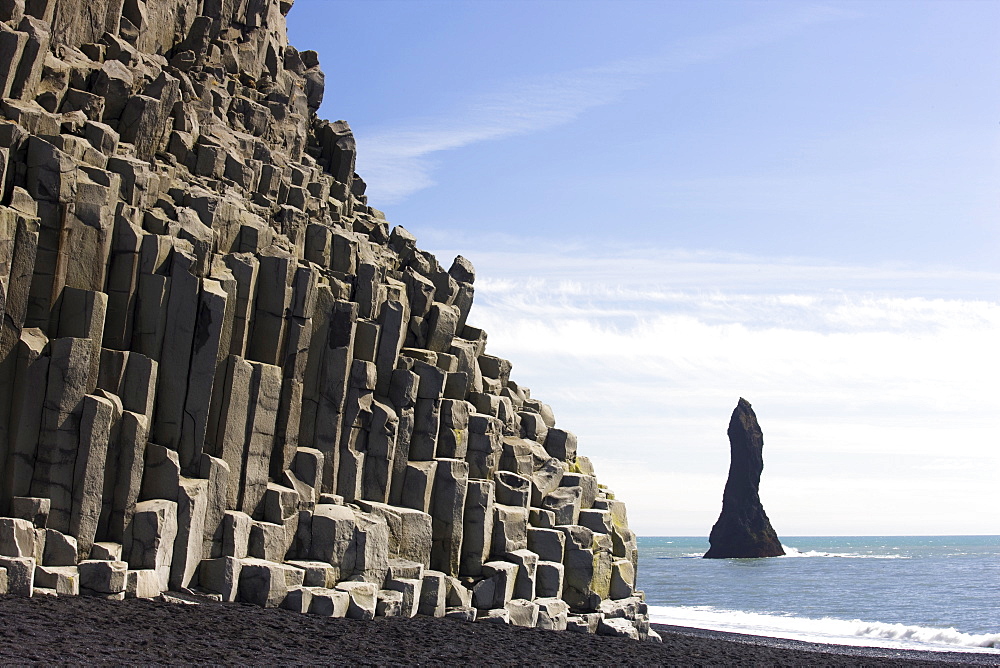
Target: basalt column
column 224, row 373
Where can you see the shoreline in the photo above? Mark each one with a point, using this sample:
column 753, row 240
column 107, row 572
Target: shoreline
column 84, row 630
column 861, row 651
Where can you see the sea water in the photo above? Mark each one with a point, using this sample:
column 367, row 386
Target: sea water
column 913, row 592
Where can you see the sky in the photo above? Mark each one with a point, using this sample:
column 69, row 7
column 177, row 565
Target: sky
column 672, row 205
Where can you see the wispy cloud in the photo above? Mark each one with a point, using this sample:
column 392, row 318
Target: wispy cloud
column 398, row 161
column 619, row 271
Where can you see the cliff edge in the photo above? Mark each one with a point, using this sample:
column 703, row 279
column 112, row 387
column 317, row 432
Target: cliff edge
column 743, row 529
column 223, row 373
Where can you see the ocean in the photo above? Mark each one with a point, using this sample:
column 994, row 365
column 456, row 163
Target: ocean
column 903, row 592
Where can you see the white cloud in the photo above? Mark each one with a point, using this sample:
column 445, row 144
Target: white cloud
column 398, row 161
column 882, row 400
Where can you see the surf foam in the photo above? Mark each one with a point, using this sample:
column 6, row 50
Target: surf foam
column 826, row 630
column 792, row 552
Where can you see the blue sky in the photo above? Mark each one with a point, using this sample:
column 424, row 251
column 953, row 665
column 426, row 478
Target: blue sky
column 674, row 204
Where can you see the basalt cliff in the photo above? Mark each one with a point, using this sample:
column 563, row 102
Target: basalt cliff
column 223, row 373
column 743, row 530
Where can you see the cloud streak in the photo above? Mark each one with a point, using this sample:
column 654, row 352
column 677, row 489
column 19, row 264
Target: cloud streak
column 399, row 161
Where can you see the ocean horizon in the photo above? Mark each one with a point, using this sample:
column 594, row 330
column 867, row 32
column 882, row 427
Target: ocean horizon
column 937, row 593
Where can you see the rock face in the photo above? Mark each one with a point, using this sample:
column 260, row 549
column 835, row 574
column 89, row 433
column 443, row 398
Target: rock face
column 743, row 530
column 222, row 371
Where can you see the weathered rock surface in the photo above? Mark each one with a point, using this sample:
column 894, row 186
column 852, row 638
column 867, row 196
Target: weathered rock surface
column 222, row 371
column 743, row 530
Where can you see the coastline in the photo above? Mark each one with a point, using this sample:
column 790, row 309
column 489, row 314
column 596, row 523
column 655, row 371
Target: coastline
column 878, row 654
column 78, row 630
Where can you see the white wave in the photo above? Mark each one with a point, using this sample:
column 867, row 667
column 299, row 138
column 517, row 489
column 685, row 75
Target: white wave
column 826, row 630
column 686, row 555
column 792, row 552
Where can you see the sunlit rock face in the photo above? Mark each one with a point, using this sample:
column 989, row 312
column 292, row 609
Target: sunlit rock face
column 743, row 530
column 223, row 372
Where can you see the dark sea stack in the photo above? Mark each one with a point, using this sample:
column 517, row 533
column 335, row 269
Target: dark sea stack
column 743, row 530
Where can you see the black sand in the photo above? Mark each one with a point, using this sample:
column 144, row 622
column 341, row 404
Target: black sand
column 79, row 630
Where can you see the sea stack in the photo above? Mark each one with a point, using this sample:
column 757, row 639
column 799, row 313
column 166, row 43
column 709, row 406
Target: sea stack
column 743, row 530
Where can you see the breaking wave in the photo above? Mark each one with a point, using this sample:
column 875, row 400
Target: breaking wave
column 792, row 552
column 826, row 630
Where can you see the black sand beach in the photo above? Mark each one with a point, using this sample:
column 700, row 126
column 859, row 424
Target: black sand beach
column 78, row 630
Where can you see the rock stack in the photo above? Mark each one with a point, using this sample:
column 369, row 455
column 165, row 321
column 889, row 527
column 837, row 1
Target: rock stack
column 743, row 530
column 223, row 373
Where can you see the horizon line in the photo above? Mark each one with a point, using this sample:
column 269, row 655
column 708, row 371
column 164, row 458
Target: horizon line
column 851, row 535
